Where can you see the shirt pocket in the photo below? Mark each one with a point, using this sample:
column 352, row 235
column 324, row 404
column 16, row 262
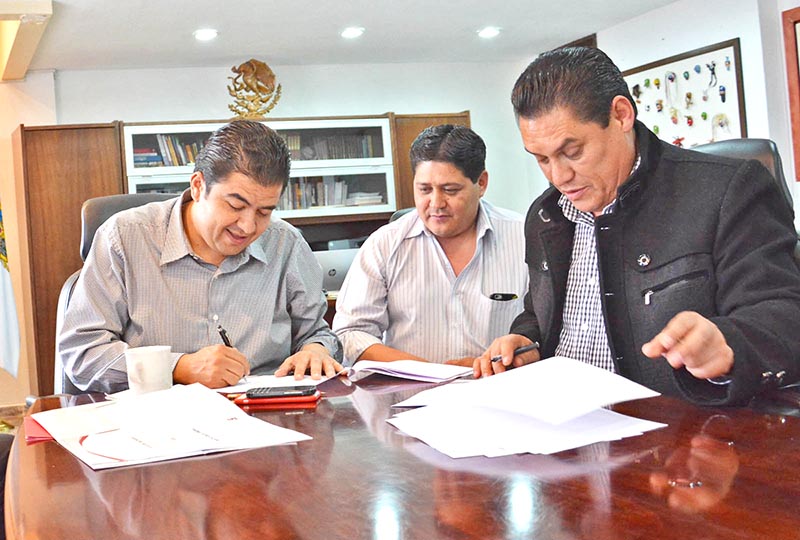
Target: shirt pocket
column 658, row 292
column 499, row 313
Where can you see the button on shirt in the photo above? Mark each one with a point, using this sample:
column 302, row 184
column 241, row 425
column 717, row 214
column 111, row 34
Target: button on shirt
column 142, row 285
column 583, row 334
column 402, row 291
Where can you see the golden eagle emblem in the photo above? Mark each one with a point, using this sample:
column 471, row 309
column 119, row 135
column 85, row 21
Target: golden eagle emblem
column 253, row 89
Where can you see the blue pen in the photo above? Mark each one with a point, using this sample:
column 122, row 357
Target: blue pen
column 518, row 351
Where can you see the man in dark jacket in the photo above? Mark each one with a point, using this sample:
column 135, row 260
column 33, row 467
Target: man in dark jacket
column 669, row 267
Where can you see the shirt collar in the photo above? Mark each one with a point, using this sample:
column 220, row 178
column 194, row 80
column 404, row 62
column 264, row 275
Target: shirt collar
column 575, row 215
column 177, row 246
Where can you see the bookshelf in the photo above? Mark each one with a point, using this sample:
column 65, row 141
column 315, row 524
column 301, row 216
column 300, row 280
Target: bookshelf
column 340, row 166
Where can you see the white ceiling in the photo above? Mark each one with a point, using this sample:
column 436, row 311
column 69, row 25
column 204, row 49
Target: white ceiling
column 103, row 34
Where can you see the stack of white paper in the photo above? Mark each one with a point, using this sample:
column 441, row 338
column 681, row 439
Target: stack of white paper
column 409, row 369
column 179, row 422
column 541, row 408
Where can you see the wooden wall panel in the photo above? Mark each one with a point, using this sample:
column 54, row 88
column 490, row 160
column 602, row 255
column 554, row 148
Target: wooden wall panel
column 791, row 19
column 406, row 128
column 62, row 167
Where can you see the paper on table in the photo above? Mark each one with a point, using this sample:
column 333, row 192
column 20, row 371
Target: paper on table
column 179, row 422
column 34, row 432
column 409, row 369
column 465, row 431
column 554, row 390
column 547, row 468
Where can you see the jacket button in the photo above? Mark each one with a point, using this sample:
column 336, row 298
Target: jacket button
column 643, row 259
column 544, row 266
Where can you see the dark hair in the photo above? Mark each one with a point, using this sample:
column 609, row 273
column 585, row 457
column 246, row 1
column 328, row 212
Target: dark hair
column 246, row 147
column 582, row 79
column 447, row 143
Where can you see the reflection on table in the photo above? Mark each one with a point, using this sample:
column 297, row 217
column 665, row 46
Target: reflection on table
column 713, row 473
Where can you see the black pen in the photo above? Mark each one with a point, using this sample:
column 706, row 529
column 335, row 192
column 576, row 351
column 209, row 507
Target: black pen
column 224, row 335
column 227, row 341
column 518, row 351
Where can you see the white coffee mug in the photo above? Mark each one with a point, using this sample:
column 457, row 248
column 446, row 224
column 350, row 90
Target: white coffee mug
column 149, row 368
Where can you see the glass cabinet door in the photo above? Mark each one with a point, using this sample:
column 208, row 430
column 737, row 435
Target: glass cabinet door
column 339, row 166
column 351, row 190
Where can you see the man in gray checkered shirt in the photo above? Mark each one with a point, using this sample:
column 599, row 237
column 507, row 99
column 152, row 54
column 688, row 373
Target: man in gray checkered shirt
column 174, row 272
column 670, row 267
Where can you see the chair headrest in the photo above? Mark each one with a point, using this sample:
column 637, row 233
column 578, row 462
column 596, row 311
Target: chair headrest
column 96, row 211
column 400, row 213
column 763, row 150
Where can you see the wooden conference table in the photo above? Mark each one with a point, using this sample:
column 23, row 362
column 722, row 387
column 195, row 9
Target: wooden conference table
column 359, row 478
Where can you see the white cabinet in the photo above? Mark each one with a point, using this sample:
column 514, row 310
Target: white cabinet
column 340, row 166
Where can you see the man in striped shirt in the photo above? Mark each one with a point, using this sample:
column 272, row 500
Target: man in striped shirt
column 175, row 272
column 441, row 283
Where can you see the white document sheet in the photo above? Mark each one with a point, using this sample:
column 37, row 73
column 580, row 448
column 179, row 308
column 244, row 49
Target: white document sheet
column 467, row 431
column 409, row 369
column 179, row 422
column 554, row 390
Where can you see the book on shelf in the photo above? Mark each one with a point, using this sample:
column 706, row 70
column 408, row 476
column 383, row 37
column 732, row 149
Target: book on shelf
column 303, row 193
column 172, row 190
column 360, row 198
column 173, row 151
column 147, row 161
column 162, row 145
column 331, row 147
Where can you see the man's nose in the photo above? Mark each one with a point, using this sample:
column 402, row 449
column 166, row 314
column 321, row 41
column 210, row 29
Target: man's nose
column 560, row 173
column 437, row 199
column 247, row 223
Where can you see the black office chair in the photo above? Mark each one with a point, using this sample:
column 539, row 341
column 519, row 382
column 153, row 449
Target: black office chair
column 94, row 213
column 765, row 151
column 400, row 213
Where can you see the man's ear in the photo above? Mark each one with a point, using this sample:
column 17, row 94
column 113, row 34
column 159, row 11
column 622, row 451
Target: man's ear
column 197, row 184
column 483, row 182
column 622, row 112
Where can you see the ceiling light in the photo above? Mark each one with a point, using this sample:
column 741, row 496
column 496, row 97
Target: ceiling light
column 205, row 34
column 489, row 32
column 352, row 32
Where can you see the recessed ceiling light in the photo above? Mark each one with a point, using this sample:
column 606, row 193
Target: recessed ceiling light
column 205, row 34
column 352, row 32
column 489, row 32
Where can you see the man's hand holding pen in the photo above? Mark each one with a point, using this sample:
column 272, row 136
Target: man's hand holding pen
column 512, row 350
column 214, row 366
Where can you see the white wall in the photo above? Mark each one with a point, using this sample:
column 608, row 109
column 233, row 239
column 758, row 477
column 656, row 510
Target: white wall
column 30, row 102
column 200, row 93
column 688, row 24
